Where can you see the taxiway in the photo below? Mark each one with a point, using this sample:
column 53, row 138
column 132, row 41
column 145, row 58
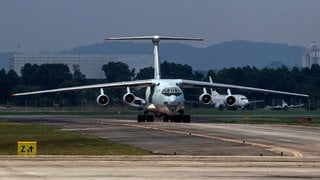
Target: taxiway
column 184, row 151
column 194, row 138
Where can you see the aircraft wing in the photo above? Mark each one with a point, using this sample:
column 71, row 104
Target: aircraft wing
column 296, row 106
column 256, row 101
column 192, row 83
column 137, row 83
column 276, row 107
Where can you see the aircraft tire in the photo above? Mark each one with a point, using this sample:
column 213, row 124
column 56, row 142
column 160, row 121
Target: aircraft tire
column 150, row 118
column 185, row 118
column 177, row 118
column 165, row 118
column 141, row 118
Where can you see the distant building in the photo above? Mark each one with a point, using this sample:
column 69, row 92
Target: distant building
column 311, row 56
column 90, row 65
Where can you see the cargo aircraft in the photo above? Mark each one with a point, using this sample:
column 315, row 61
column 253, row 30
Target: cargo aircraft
column 229, row 100
column 163, row 97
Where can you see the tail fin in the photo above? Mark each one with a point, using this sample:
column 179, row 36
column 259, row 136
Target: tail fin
column 155, row 41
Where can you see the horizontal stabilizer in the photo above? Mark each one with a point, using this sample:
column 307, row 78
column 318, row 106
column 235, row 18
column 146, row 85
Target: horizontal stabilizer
column 154, row 38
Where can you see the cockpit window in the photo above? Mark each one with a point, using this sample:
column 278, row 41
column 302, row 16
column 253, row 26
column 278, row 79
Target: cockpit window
column 171, row 91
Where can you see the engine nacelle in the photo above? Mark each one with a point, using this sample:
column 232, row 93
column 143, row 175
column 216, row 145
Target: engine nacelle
column 205, row 98
column 103, row 100
column 230, row 101
column 133, row 100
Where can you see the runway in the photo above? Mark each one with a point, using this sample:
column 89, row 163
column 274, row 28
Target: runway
column 204, row 150
column 159, row 167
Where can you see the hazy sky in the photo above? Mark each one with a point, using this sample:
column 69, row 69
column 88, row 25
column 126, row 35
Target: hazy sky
column 34, row 25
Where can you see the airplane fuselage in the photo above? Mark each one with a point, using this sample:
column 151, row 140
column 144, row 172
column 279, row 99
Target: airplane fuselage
column 166, row 97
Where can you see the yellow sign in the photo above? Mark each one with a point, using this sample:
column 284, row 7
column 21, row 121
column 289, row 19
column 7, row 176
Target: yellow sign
column 27, row 148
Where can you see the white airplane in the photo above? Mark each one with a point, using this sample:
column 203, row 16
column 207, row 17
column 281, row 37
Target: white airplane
column 285, row 106
column 295, row 106
column 232, row 101
column 163, row 97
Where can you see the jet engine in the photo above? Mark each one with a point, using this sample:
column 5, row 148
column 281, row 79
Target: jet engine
column 133, row 100
column 230, row 101
column 205, row 98
column 102, row 99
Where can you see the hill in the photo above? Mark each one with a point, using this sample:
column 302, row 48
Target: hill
column 226, row 54
column 259, row 54
column 223, row 55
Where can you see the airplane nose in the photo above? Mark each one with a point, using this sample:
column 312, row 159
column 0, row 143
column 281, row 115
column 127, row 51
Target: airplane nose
column 172, row 99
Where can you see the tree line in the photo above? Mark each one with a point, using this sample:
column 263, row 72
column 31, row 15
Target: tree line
column 49, row 76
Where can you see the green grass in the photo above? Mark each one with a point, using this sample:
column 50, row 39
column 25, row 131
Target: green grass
column 127, row 111
column 266, row 120
column 211, row 111
column 52, row 141
column 289, row 117
column 80, row 113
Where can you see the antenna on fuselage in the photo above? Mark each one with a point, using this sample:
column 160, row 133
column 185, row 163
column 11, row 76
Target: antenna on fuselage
column 155, row 41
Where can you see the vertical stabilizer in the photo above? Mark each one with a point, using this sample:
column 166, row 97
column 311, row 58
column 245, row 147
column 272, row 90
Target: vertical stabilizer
column 155, row 41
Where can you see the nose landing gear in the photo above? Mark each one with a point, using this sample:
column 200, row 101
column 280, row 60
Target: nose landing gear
column 166, row 118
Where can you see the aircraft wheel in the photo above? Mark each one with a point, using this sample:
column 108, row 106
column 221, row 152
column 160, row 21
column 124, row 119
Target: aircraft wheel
column 185, row 118
column 141, row 118
column 165, row 118
column 177, row 118
column 150, row 118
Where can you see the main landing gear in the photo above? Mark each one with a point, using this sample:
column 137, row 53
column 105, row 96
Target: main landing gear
column 166, row 118
column 177, row 118
column 145, row 118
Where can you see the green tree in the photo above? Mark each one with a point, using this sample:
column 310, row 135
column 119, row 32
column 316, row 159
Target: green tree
column 172, row 70
column 118, row 71
column 47, row 76
column 29, row 74
column 12, row 80
column 8, row 81
column 79, row 77
column 146, row 73
column 3, row 86
column 51, row 76
column 212, row 74
column 198, row 76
